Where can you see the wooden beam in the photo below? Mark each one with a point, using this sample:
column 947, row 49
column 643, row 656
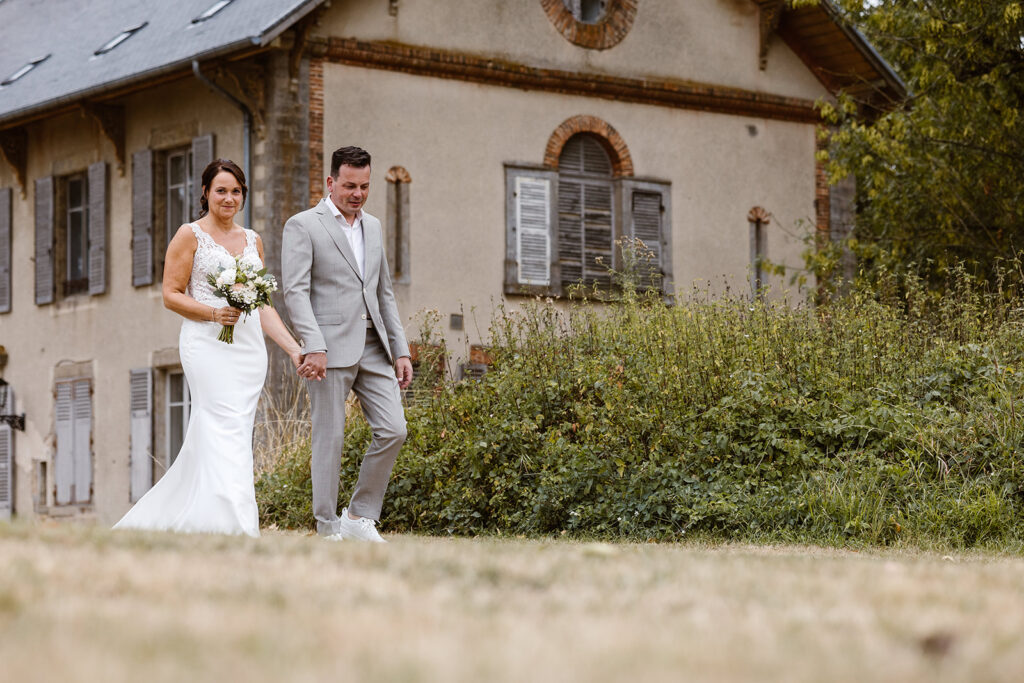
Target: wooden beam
column 771, row 14
column 14, row 147
column 110, row 118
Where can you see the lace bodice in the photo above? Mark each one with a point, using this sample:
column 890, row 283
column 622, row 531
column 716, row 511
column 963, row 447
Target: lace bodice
column 209, row 258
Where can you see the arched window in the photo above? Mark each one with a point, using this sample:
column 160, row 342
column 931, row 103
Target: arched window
column 585, row 214
column 567, row 217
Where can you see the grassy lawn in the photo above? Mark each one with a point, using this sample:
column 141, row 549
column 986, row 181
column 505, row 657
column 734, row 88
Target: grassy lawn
column 79, row 603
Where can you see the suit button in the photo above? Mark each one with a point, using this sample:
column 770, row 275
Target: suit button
column 364, row 316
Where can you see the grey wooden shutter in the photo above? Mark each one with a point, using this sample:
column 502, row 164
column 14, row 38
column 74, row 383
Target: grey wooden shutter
column 63, row 459
column 98, row 228
column 5, row 250
column 530, row 245
column 44, row 240
column 648, row 219
column 142, row 218
column 202, row 155
column 533, row 230
column 82, row 444
column 6, row 471
column 585, row 214
column 141, row 447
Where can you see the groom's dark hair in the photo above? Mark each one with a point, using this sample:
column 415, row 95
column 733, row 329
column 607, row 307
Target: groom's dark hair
column 356, row 157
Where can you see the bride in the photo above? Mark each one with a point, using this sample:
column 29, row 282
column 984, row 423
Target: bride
column 209, row 487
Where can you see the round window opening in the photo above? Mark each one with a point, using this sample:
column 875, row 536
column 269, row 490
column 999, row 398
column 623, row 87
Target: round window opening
column 586, row 11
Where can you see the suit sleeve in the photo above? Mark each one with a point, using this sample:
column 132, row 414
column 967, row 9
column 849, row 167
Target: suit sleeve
column 297, row 273
column 389, row 311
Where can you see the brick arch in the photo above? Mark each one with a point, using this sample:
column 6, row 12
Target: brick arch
column 398, row 174
column 614, row 145
column 607, row 32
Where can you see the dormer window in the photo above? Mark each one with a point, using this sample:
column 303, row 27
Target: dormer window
column 120, row 38
column 212, row 10
column 23, row 70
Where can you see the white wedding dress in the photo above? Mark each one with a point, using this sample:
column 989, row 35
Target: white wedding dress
column 210, row 487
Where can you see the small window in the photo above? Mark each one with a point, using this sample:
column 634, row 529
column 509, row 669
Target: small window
column 758, row 219
column 212, row 10
column 76, row 238
column 179, row 404
column 586, row 11
column 398, row 223
column 23, row 70
column 119, row 38
column 179, row 191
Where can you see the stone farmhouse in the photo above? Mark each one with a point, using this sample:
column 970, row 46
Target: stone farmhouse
column 514, row 143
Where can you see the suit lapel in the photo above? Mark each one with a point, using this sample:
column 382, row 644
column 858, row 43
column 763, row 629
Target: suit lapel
column 372, row 242
column 330, row 224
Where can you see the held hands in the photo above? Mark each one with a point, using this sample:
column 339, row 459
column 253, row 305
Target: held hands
column 313, row 366
column 403, row 371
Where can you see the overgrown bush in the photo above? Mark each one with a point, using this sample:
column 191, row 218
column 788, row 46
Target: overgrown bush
column 874, row 419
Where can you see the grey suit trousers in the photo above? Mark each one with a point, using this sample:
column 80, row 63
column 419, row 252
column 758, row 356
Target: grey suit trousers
column 373, row 380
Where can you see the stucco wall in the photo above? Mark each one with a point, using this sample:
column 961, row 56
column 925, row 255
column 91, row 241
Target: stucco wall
column 117, row 330
column 454, row 138
column 706, row 41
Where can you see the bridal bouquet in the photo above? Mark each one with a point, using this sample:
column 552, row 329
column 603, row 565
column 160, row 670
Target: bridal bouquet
column 245, row 285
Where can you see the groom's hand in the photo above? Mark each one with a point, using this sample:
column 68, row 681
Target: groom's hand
column 314, row 366
column 403, row 371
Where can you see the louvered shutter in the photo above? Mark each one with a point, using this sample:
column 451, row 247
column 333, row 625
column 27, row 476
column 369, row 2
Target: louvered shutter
column 44, row 240
column 141, row 406
column 98, row 228
column 202, row 155
column 63, row 459
column 82, row 444
column 6, row 471
column 585, row 213
column 533, row 230
column 5, row 250
column 530, row 245
column 142, row 218
column 648, row 219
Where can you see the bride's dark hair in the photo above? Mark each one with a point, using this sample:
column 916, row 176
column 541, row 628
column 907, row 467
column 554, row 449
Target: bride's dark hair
column 211, row 171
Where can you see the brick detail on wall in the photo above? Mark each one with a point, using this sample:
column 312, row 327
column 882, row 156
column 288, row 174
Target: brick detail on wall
column 316, row 130
column 666, row 93
column 608, row 32
column 622, row 163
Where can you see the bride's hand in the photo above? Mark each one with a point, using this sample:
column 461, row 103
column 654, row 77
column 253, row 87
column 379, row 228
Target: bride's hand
column 297, row 357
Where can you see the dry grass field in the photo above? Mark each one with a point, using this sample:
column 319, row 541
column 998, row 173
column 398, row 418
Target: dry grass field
column 79, row 603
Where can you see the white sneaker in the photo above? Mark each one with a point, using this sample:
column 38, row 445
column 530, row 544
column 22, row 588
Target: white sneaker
column 362, row 529
column 333, row 537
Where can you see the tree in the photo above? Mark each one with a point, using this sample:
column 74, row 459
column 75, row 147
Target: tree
column 939, row 176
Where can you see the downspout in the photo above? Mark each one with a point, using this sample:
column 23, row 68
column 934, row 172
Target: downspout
column 246, row 135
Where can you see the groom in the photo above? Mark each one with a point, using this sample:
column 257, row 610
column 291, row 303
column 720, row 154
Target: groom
column 337, row 288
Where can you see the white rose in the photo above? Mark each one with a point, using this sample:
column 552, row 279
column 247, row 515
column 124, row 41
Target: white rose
column 227, row 277
column 250, row 261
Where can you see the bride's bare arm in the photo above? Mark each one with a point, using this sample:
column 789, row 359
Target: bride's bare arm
column 177, row 272
column 275, row 328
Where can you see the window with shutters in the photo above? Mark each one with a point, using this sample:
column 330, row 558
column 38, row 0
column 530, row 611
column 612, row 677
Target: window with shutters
column 758, row 219
column 6, row 471
column 585, row 213
column 72, row 461
column 574, row 226
column 71, row 234
column 166, row 187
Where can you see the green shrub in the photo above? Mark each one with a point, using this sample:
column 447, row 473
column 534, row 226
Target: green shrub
column 875, row 419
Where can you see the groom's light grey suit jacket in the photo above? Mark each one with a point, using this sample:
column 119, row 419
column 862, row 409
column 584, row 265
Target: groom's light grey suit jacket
column 327, row 299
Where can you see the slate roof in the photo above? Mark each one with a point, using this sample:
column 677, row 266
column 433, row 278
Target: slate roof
column 72, row 30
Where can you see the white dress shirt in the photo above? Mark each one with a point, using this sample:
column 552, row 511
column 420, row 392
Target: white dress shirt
column 353, row 232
